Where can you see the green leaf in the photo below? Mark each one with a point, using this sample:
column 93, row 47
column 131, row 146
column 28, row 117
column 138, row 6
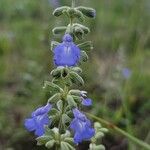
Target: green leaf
column 56, row 97
column 60, row 105
column 71, row 101
column 75, row 78
column 50, row 144
column 59, row 11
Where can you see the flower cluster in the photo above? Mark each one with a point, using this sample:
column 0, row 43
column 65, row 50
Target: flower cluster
column 61, row 124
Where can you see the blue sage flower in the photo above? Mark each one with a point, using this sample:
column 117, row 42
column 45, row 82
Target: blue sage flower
column 66, row 53
column 126, row 72
column 39, row 118
column 81, row 126
column 87, row 102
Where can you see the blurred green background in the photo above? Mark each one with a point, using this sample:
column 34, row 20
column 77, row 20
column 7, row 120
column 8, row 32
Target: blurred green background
column 121, row 37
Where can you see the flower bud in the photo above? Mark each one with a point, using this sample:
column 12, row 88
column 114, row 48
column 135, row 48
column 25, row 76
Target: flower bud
column 89, row 12
column 59, row 11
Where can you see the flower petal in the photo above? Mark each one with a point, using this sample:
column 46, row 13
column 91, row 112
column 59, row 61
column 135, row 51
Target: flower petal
column 29, row 124
column 87, row 102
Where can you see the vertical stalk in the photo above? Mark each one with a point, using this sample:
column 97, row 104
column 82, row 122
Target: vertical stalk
column 73, row 3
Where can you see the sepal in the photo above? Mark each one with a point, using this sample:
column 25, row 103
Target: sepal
column 96, row 147
column 71, row 101
column 59, row 11
column 76, row 69
column 53, row 86
column 84, row 56
column 59, row 30
column 87, row 11
column 56, row 97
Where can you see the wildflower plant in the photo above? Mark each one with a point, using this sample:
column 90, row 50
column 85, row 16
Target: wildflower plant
column 61, row 124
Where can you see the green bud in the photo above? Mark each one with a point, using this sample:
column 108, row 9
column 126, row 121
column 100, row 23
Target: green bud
column 97, row 125
column 65, row 118
column 59, row 11
column 50, row 144
column 99, row 135
column 84, row 56
column 54, row 44
column 66, row 146
column 64, row 72
column 43, row 139
column 71, row 101
column 79, row 15
column 75, row 92
column 78, row 32
column 69, row 29
column 56, row 97
column 69, row 140
column 86, row 45
column 96, row 147
column 89, row 12
column 59, row 30
column 77, row 99
column 84, row 28
column 54, row 112
column 60, row 105
column 71, row 12
column 103, row 130
column 67, row 134
column 75, row 78
column 56, row 73
column 77, row 69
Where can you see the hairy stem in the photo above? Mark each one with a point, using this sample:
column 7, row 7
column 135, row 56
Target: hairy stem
column 113, row 127
column 73, row 3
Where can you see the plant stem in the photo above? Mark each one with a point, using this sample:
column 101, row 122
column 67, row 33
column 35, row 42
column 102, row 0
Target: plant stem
column 122, row 132
column 73, row 3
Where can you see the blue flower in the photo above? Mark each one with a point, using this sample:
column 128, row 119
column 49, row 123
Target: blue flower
column 81, row 126
column 87, row 102
column 39, row 118
column 66, row 53
column 126, row 73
